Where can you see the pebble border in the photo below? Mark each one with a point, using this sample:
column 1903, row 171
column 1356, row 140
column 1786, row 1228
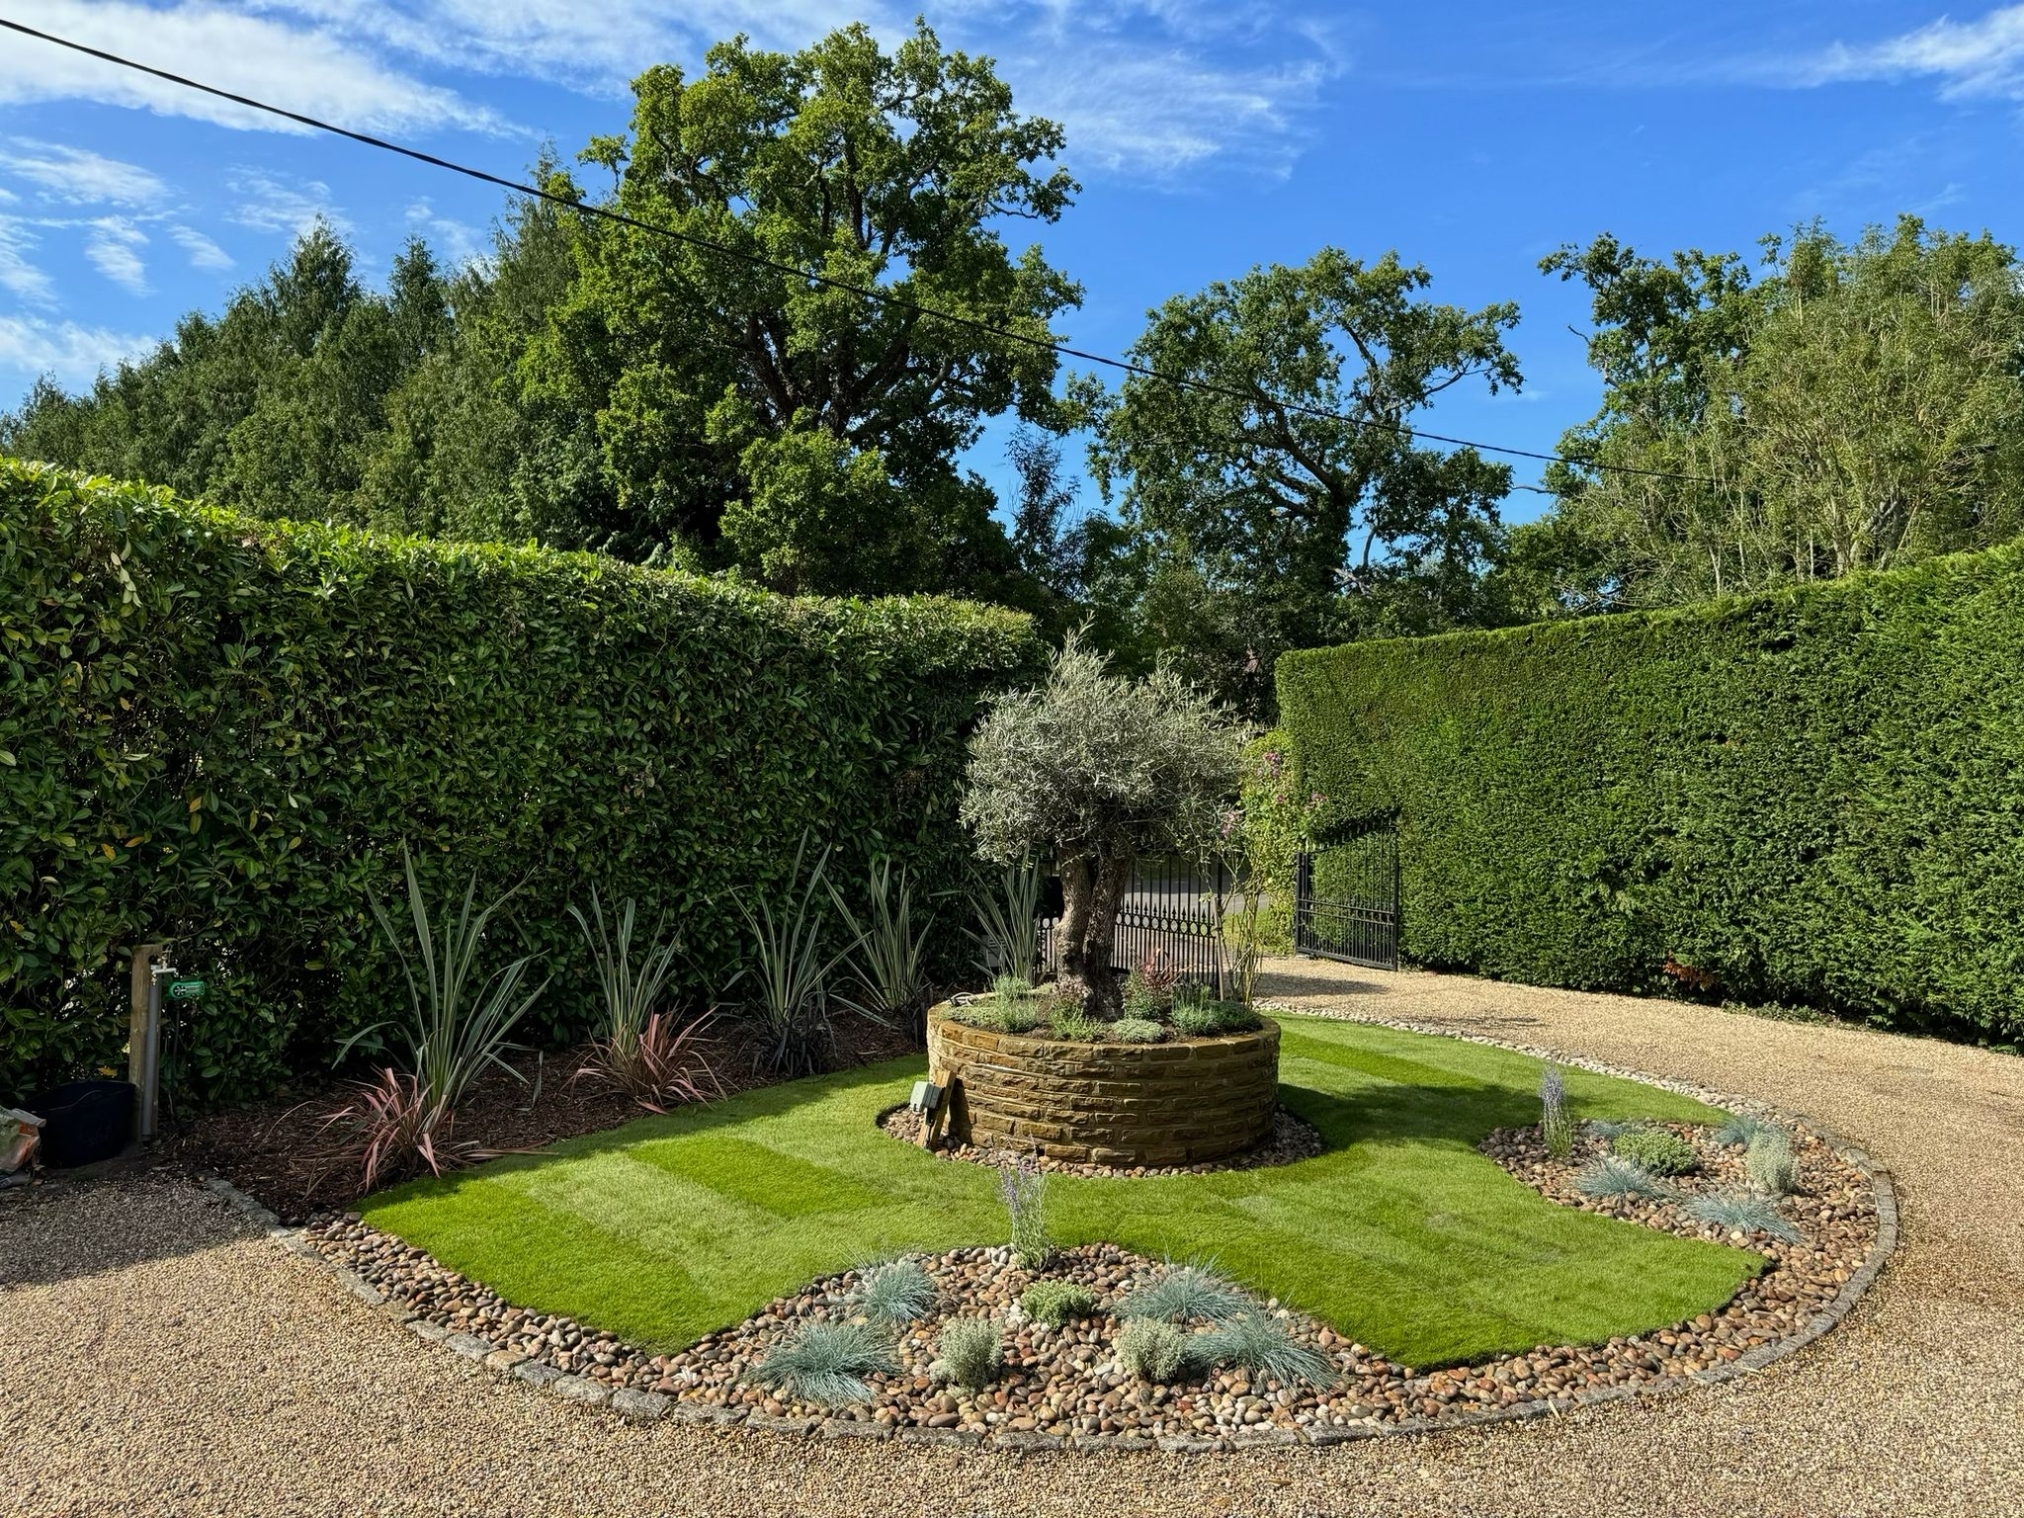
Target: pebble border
column 652, row 1407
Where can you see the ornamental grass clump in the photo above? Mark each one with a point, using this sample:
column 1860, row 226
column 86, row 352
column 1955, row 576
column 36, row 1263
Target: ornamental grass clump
column 1772, row 1165
column 1151, row 1349
column 1741, row 1213
column 1613, row 1175
column 790, row 976
column 1007, row 933
column 1023, row 1187
column 826, row 1363
column 891, row 958
column 1255, row 1341
column 1185, row 1293
column 456, row 1030
column 1556, row 1124
column 894, row 1293
column 1660, row 1152
column 1056, row 1303
column 972, row 1352
column 1137, row 1030
column 1740, row 1128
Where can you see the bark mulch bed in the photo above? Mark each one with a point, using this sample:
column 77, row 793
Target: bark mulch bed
column 1293, row 1138
column 1067, row 1381
column 289, row 1155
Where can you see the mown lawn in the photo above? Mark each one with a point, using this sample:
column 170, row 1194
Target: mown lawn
column 1400, row 1234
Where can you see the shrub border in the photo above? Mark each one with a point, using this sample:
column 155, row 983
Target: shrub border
column 650, row 1407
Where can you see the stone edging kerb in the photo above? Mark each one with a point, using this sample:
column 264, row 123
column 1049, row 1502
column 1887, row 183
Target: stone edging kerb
column 647, row 1407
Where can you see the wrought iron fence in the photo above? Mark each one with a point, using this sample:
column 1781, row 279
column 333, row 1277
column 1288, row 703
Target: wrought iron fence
column 1346, row 895
column 1173, row 907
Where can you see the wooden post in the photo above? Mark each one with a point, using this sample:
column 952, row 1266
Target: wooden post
column 142, row 1048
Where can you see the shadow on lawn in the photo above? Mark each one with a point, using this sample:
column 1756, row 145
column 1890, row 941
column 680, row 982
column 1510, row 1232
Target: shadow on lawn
column 1381, row 1100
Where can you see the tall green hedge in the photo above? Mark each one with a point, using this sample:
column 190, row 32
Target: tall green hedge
column 1814, row 797
column 221, row 731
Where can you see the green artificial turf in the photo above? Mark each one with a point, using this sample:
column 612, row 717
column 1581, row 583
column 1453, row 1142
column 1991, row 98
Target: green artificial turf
column 1400, row 1235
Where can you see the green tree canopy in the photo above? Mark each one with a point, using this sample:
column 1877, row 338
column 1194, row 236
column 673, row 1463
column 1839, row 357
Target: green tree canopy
column 1860, row 407
column 1265, row 527
column 774, row 420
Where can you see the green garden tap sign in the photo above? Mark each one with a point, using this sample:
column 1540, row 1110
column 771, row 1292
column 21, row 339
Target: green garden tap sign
column 185, row 990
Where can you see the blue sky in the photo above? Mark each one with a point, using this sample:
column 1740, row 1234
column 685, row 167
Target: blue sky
column 1472, row 137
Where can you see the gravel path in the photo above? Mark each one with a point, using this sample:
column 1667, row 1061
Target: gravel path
column 155, row 1359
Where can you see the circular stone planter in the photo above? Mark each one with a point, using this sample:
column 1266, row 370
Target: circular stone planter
column 1178, row 1103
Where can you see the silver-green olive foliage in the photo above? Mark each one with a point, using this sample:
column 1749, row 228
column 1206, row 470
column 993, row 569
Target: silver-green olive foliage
column 1090, row 772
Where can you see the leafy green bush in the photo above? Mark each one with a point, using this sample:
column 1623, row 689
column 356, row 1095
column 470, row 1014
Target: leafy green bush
column 219, row 731
column 1152, row 1349
column 1137, row 1030
column 826, row 1363
column 1807, row 797
column 972, row 1350
column 1772, row 1165
column 1658, row 1151
column 1057, row 1302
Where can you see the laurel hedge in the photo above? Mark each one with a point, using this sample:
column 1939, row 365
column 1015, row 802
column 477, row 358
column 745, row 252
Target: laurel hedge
column 1814, row 797
column 221, row 731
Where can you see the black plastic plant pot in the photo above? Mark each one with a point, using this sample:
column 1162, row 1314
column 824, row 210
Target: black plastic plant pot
column 84, row 1121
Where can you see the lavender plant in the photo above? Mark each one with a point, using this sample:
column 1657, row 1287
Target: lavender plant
column 1024, row 1189
column 1556, row 1126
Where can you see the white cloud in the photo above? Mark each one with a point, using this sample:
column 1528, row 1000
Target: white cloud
column 1144, row 87
column 113, row 248
column 72, row 354
column 80, row 176
column 456, row 242
column 20, row 278
column 1968, row 58
column 313, row 71
column 1155, row 113
column 268, row 204
column 204, row 254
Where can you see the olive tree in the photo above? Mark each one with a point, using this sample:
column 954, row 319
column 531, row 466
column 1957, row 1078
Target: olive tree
column 1093, row 772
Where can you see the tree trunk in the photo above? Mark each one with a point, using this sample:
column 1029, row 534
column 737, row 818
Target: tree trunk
column 1077, row 889
column 1092, row 890
column 1113, row 877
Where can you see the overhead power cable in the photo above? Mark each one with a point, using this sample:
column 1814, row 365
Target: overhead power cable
column 863, row 292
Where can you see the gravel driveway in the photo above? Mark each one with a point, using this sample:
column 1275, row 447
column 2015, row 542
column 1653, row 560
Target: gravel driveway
column 154, row 1359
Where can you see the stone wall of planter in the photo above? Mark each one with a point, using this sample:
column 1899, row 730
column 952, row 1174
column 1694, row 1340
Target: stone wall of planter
column 1176, row 1103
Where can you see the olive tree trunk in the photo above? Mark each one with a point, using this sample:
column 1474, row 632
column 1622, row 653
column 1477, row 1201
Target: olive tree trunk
column 1092, row 891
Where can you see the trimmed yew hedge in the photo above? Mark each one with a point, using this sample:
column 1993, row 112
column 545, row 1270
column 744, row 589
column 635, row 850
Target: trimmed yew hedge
column 1814, row 797
column 220, row 731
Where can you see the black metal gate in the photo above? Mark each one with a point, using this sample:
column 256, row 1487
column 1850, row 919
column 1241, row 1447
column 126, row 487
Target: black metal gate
column 1173, row 908
column 1346, row 895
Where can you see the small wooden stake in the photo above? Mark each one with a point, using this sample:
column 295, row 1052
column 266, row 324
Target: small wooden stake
column 143, row 1046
